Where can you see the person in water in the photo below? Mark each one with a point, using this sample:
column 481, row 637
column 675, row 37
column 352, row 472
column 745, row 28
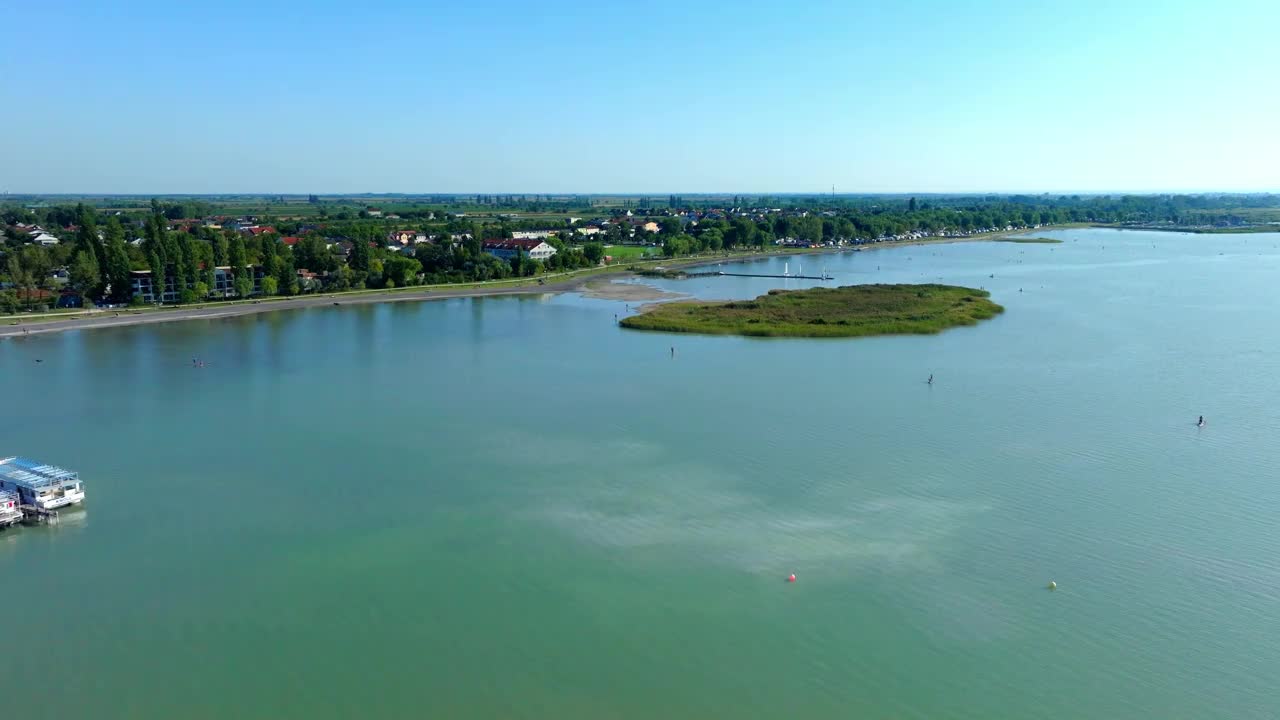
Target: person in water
column 1201, row 421
column 930, row 378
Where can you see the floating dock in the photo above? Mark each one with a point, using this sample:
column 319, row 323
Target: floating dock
column 784, row 276
column 32, row 491
column 10, row 511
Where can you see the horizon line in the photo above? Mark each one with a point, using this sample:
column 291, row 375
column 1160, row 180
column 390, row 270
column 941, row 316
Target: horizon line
column 779, row 193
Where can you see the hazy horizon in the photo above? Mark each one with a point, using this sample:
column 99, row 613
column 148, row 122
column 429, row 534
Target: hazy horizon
column 659, row 195
column 926, row 97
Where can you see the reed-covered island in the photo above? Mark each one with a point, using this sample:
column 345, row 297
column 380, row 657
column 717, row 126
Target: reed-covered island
column 851, row 311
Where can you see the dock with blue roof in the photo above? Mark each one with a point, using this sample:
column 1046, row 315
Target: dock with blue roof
column 37, row 490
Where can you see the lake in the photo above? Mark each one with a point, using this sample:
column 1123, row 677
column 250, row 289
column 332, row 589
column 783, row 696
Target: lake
column 510, row 507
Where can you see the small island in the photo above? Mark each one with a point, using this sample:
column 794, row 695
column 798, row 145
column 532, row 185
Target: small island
column 851, row 311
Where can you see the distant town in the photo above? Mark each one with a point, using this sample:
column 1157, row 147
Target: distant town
column 75, row 252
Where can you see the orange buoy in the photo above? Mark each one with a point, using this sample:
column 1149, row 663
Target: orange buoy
column 791, row 577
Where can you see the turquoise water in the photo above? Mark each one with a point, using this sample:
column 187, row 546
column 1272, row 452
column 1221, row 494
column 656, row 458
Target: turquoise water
column 509, row 507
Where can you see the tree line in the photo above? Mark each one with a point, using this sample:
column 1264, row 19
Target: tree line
column 100, row 258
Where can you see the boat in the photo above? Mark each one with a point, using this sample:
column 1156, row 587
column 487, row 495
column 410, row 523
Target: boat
column 10, row 514
column 41, row 486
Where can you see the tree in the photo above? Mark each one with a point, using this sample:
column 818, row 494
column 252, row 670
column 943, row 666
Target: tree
column 911, row 206
column 87, row 233
column 286, row 277
column 190, row 270
column 244, row 285
column 20, row 275
column 220, row 250
column 201, row 290
column 677, row 245
column 157, row 274
column 236, row 254
column 84, row 272
column 269, row 265
column 203, row 254
column 269, row 286
column 86, row 266
column 593, row 251
column 359, row 259
column 311, row 253
column 116, row 270
column 400, row 270
column 712, row 240
column 9, row 301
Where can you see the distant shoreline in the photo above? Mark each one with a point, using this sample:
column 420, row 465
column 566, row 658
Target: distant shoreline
column 17, row 326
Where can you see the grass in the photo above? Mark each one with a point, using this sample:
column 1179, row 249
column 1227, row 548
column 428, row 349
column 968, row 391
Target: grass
column 1016, row 239
column 851, row 311
column 630, row 252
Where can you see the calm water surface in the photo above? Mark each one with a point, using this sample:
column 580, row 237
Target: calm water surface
column 511, row 508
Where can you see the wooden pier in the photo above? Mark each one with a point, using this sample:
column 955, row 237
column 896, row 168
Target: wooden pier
column 33, row 515
column 784, row 276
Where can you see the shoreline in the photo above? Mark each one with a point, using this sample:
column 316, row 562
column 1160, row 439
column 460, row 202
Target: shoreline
column 17, row 326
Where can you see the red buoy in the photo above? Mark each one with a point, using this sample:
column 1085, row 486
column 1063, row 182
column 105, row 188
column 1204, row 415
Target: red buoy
column 791, row 577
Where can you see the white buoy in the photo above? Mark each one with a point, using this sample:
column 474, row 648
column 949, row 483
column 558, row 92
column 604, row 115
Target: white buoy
column 1053, row 585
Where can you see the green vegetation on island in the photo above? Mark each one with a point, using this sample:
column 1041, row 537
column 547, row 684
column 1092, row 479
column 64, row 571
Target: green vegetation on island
column 850, row 311
column 1021, row 239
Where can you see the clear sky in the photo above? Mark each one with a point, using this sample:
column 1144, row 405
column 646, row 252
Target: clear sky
column 142, row 96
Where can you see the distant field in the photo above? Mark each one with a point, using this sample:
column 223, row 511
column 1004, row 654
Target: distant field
column 630, row 252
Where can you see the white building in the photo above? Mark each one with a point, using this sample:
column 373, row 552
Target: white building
column 506, row 249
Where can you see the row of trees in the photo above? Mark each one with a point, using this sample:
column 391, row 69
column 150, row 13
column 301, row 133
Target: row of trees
column 100, row 262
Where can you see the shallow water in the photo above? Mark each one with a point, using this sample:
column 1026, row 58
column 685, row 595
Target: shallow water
column 509, row 507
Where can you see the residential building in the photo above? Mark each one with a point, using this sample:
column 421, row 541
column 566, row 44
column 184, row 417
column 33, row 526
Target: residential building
column 531, row 234
column 308, row 280
column 142, row 286
column 224, row 285
column 407, row 237
column 44, row 238
column 506, row 249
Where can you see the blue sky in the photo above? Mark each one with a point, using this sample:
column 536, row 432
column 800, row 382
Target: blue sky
column 571, row 96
